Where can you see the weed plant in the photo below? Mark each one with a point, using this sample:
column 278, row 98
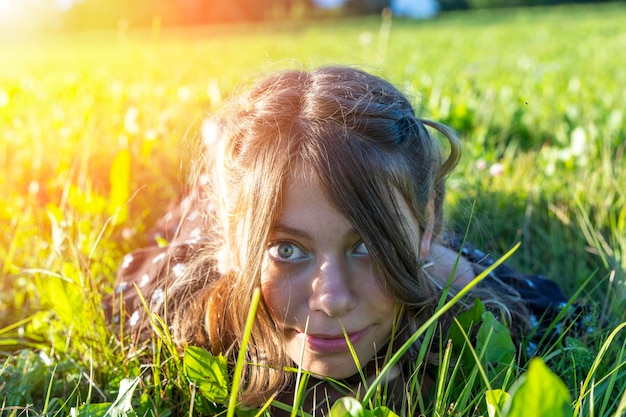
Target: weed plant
column 95, row 131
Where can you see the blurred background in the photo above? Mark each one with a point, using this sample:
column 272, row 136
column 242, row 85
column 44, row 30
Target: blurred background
column 55, row 15
column 103, row 101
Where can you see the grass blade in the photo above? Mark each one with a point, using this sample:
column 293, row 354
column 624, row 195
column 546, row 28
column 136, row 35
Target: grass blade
column 232, row 401
column 430, row 322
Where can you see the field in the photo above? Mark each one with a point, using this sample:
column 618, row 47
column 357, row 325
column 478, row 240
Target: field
column 94, row 129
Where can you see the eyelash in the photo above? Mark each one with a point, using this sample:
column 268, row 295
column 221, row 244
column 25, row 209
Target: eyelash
column 274, row 247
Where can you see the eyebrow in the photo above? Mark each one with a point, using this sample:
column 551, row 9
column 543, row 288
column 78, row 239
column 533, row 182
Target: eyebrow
column 283, row 228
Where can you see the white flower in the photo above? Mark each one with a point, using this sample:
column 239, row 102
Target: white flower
column 496, row 169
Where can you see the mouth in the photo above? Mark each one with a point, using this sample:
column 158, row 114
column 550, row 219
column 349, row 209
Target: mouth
column 333, row 343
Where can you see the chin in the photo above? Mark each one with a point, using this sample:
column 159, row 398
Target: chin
column 332, row 370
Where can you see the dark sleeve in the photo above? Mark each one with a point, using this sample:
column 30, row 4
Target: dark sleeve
column 539, row 292
column 550, row 310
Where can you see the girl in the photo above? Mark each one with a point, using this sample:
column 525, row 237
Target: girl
column 326, row 191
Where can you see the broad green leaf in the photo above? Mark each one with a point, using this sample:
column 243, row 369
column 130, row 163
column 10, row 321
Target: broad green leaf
column 347, row 407
column 466, row 321
column 383, row 412
column 496, row 399
column 247, row 412
column 540, row 393
column 91, row 410
column 208, row 372
column 122, row 406
column 494, row 343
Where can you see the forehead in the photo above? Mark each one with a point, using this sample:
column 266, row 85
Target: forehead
column 304, row 191
column 305, row 211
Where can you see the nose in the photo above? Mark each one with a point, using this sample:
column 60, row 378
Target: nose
column 332, row 291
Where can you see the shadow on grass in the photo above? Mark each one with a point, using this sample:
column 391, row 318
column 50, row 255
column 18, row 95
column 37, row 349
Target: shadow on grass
column 552, row 241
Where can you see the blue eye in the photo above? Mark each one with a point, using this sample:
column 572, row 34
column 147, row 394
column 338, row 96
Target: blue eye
column 361, row 249
column 286, row 252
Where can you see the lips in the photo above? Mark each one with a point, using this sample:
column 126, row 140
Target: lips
column 333, row 344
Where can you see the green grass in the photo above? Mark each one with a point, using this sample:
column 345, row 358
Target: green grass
column 90, row 122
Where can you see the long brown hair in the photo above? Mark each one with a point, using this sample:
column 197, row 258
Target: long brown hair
column 362, row 140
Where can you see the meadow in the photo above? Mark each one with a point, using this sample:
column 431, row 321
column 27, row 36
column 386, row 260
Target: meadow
column 95, row 129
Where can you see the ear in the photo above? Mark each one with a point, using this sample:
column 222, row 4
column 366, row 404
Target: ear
column 427, row 236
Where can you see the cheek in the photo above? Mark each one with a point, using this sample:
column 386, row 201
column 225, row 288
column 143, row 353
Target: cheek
column 374, row 295
column 278, row 294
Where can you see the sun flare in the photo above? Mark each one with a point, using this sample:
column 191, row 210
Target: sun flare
column 25, row 16
column 13, row 16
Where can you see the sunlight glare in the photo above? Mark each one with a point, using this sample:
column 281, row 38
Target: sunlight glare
column 64, row 4
column 8, row 9
column 13, row 15
column 18, row 16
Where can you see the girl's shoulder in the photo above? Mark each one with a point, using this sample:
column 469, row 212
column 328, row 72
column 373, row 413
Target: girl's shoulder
column 550, row 310
column 538, row 290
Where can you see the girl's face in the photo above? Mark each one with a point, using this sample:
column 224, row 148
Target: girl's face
column 318, row 280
